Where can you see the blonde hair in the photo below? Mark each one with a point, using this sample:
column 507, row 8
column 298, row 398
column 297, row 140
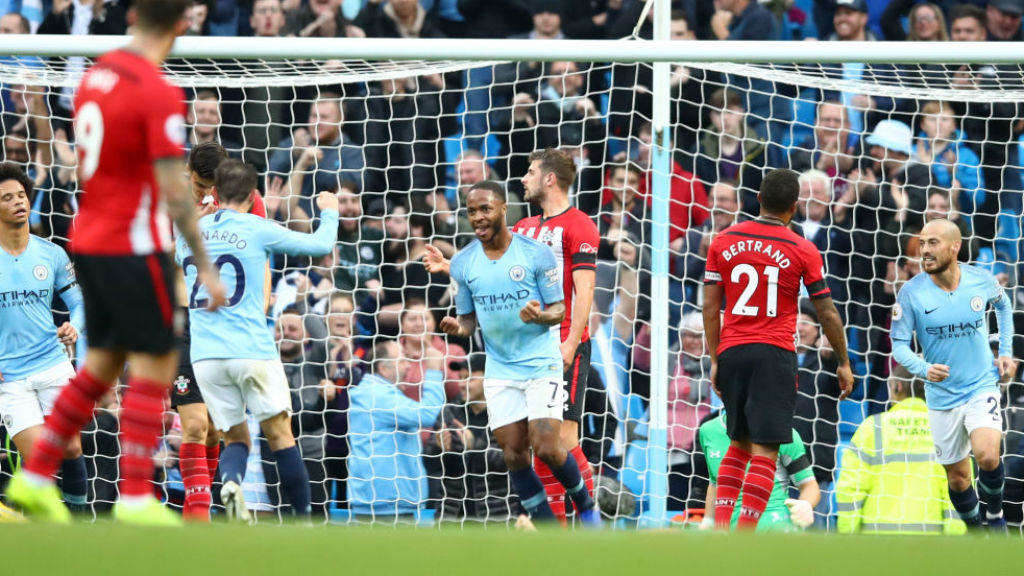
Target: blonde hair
column 939, row 19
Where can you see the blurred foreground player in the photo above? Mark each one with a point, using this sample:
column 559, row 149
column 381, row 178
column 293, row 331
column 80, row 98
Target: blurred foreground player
column 130, row 134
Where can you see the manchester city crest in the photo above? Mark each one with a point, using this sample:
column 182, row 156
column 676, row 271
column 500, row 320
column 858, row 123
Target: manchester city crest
column 977, row 304
column 40, row 272
column 517, row 273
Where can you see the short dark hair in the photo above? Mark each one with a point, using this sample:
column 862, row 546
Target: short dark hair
column 235, row 180
column 723, row 99
column 968, row 11
column 204, row 159
column 490, row 186
column 160, row 15
column 628, row 167
column 678, row 14
column 557, row 162
column 206, row 94
column 381, row 352
column 780, row 190
column 11, row 171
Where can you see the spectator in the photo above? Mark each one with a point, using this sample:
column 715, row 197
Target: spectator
column 940, row 205
column 319, row 19
column 1004, row 20
column 397, row 19
column 198, row 19
column 417, row 333
column 359, row 246
column 267, row 19
column 851, row 25
column 814, row 217
column 743, row 20
column 689, row 402
column 536, row 119
column 903, row 181
column 992, row 128
column 832, row 148
column 690, row 88
column 345, row 356
column 386, row 474
column 954, row 165
column 890, row 482
column 622, row 211
column 474, row 481
column 406, row 122
column 318, row 155
column 730, row 150
column 687, row 197
column 926, row 22
column 86, row 17
column 402, row 274
column 305, row 366
column 690, row 258
column 204, row 116
column 816, row 416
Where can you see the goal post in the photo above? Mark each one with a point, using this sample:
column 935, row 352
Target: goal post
column 645, row 345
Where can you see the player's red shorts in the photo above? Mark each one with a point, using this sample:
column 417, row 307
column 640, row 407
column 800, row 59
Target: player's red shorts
column 129, row 301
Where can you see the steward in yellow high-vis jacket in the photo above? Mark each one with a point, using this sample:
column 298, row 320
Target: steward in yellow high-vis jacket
column 890, row 481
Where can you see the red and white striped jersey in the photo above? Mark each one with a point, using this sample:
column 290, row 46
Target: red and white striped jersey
column 127, row 116
column 573, row 237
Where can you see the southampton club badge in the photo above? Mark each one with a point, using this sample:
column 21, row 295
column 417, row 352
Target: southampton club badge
column 517, row 273
column 40, row 272
column 181, row 385
column 977, row 304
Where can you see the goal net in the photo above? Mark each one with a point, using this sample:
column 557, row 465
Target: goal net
column 881, row 149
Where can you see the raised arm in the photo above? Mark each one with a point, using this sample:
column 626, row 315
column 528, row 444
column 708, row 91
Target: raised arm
column 318, row 243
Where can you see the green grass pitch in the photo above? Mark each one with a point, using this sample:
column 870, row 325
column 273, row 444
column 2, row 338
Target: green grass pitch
column 108, row 549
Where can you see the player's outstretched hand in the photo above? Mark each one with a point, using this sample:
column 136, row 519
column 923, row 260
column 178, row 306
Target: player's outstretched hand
column 530, row 312
column 938, row 372
column 800, row 512
column 434, row 261
column 845, row 376
column 450, row 326
column 214, row 287
column 67, row 334
column 327, row 201
column 1007, row 368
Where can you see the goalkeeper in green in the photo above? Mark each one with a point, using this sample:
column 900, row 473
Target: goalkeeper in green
column 783, row 514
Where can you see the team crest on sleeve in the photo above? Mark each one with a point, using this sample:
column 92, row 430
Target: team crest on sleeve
column 586, row 248
column 977, row 304
column 8, row 421
column 897, row 312
column 455, row 287
column 181, row 385
column 517, row 273
column 40, row 272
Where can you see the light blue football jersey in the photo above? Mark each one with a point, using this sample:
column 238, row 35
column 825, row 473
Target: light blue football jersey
column 28, row 283
column 496, row 290
column 952, row 329
column 239, row 246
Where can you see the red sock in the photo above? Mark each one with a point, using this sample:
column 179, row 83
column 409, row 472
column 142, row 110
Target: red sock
column 757, row 489
column 213, row 461
column 72, row 410
column 730, row 481
column 584, row 466
column 141, row 425
column 196, row 477
column 552, row 487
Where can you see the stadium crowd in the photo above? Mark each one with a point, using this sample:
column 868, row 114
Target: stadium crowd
column 356, row 328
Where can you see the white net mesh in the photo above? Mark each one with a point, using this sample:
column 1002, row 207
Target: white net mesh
column 406, row 139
